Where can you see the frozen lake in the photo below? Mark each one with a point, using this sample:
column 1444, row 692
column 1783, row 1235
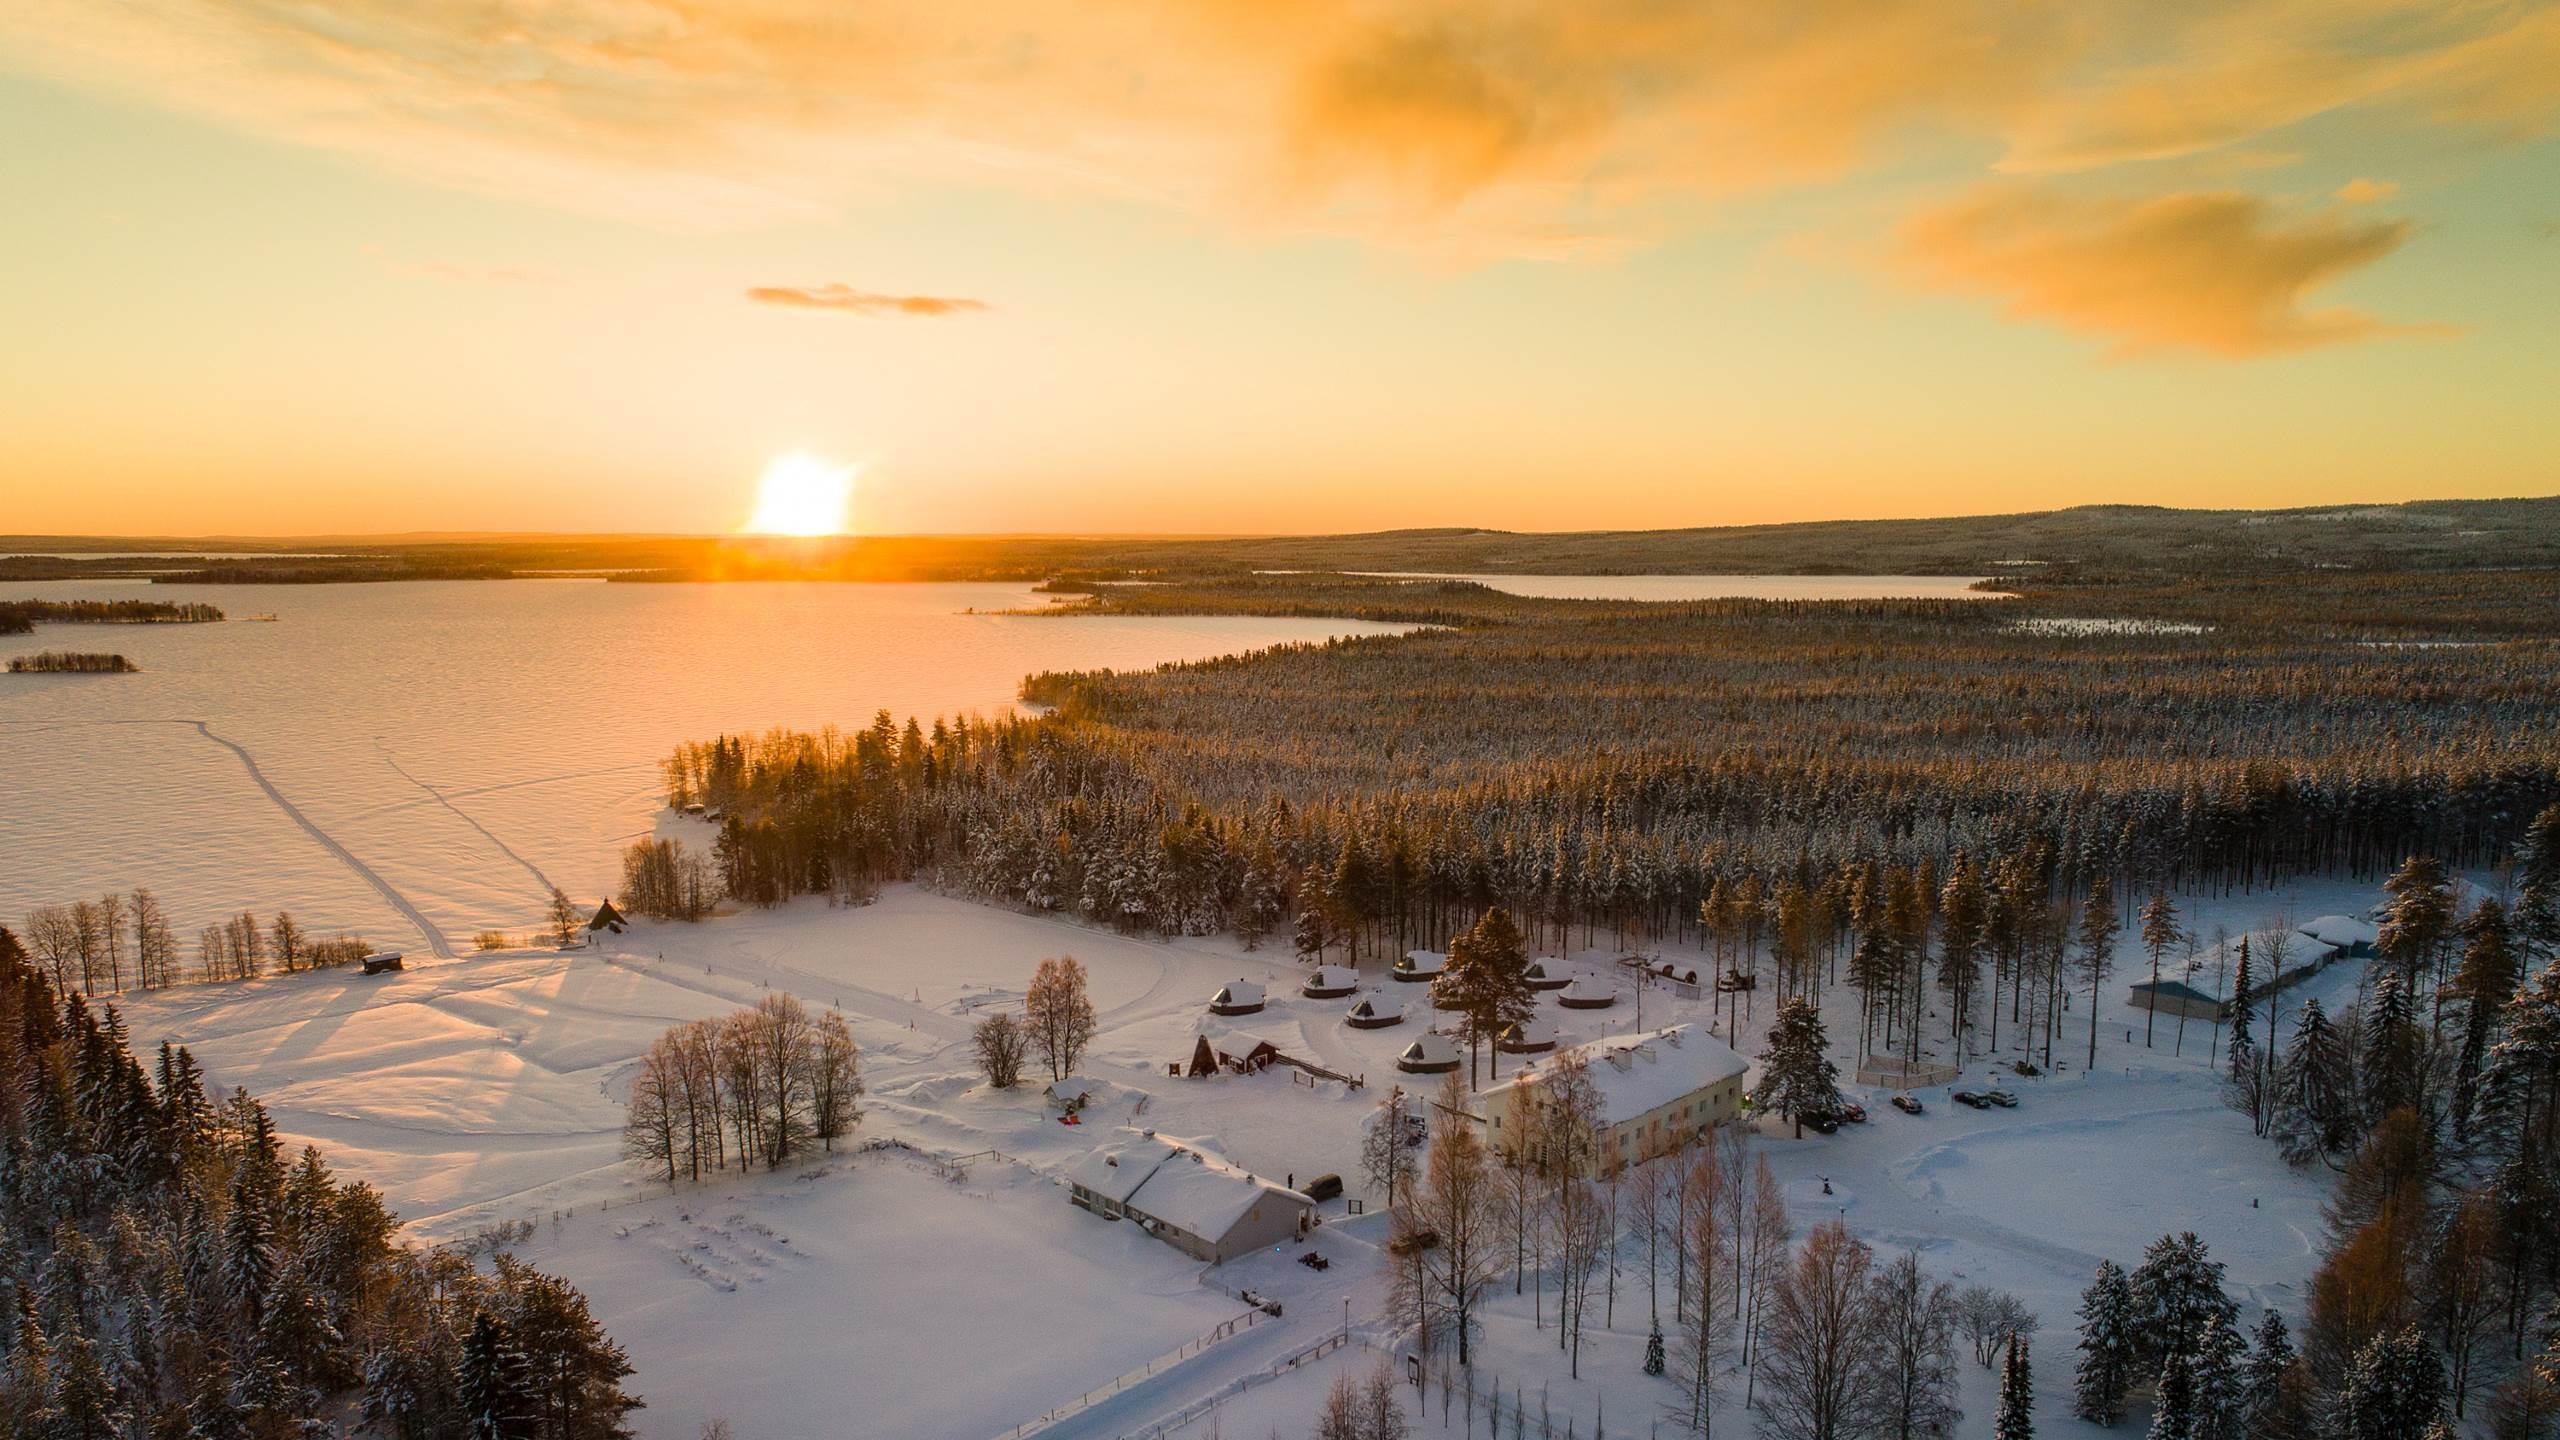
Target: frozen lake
column 1721, row 587
column 400, row 759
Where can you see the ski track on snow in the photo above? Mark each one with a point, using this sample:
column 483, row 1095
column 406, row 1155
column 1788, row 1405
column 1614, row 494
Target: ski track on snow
column 427, row 930
column 465, row 817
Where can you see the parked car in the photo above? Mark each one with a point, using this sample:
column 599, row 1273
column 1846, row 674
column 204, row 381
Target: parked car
column 1852, row 1112
column 2001, row 1098
column 1323, row 1187
column 1819, row 1122
column 1968, row 1099
column 1907, row 1104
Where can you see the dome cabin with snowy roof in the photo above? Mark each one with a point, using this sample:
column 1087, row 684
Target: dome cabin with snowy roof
column 1418, row 966
column 1586, row 993
column 1331, row 982
column 1535, row 1037
column 1547, row 973
column 1375, row 1013
column 1237, row 997
column 1431, row 1053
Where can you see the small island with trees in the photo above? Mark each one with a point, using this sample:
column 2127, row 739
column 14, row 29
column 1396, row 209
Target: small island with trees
column 71, row 662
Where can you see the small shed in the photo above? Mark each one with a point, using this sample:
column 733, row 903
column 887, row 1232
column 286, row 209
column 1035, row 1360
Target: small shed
column 1331, row 982
column 1377, row 1012
column 2350, row 937
column 382, row 962
column 2178, row 997
column 1586, row 993
column 1071, row 1094
column 1535, row 1037
column 1236, row 997
column 1547, row 973
column 1431, row 1053
column 1238, row 1054
column 607, row 919
column 1418, row 966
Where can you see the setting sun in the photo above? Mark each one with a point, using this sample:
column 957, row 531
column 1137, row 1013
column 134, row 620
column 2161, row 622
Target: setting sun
column 802, row 494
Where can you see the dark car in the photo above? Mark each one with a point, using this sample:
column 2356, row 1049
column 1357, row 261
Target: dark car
column 2001, row 1098
column 1819, row 1122
column 1968, row 1099
column 1323, row 1187
column 1907, row 1104
column 1850, row 1112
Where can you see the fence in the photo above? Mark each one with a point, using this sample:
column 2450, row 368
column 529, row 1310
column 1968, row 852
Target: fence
column 1226, row 1330
column 1191, row 1413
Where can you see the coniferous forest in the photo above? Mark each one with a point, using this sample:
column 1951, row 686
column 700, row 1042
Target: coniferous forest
column 169, row 1272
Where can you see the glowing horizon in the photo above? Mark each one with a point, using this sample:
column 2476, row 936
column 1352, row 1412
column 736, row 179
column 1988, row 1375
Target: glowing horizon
column 802, row 495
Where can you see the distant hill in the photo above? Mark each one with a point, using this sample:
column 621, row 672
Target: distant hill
column 2091, row 540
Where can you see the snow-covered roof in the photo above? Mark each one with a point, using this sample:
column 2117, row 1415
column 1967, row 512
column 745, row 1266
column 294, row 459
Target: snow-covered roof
column 1333, row 977
column 1586, row 988
column 1378, row 1006
column 1238, row 992
column 1632, row 1074
column 1429, row 1048
column 1071, row 1085
column 2215, row 970
column 1179, row 1182
column 1535, row 1032
column 2342, row 931
column 1423, row 962
column 1115, row 1171
column 1204, row 1194
column 1544, row 966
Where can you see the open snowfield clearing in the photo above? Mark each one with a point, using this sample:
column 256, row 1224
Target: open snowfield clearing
column 872, row 1297
column 488, row 1088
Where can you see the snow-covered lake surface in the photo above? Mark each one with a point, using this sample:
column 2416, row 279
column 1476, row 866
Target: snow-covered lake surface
column 396, row 759
column 1722, row 587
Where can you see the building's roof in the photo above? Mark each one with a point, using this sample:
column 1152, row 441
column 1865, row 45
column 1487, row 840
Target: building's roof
column 2343, row 931
column 1238, row 992
column 1544, row 966
column 1423, row 962
column 1332, row 977
column 2182, row 988
column 1115, row 1170
column 1204, row 1194
column 1586, row 988
column 1177, row 1181
column 1074, row 1085
column 1534, row 1032
column 1378, row 1006
column 2214, row 971
column 1429, row 1048
column 1632, row 1073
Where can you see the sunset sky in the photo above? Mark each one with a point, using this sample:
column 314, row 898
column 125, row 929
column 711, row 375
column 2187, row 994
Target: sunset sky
column 291, row 266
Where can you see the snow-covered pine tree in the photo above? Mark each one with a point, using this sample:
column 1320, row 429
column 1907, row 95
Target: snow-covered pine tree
column 2243, row 1085
column 2221, row 1394
column 2390, row 1071
column 2395, row 1389
column 2173, row 1405
column 2106, row 1347
column 2177, row 1298
column 1797, row 1077
column 2017, row 1416
column 2315, row 1102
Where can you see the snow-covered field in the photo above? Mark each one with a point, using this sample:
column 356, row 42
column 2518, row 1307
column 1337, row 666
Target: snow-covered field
column 868, row 1295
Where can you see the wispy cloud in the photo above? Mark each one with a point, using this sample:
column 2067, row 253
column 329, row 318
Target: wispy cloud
column 859, row 302
column 2219, row 273
column 2361, row 191
column 1528, row 126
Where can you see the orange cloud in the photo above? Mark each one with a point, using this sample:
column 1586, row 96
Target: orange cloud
column 1476, row 126
column 859, row 302
column 2213, row 272
column 2361, row 191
